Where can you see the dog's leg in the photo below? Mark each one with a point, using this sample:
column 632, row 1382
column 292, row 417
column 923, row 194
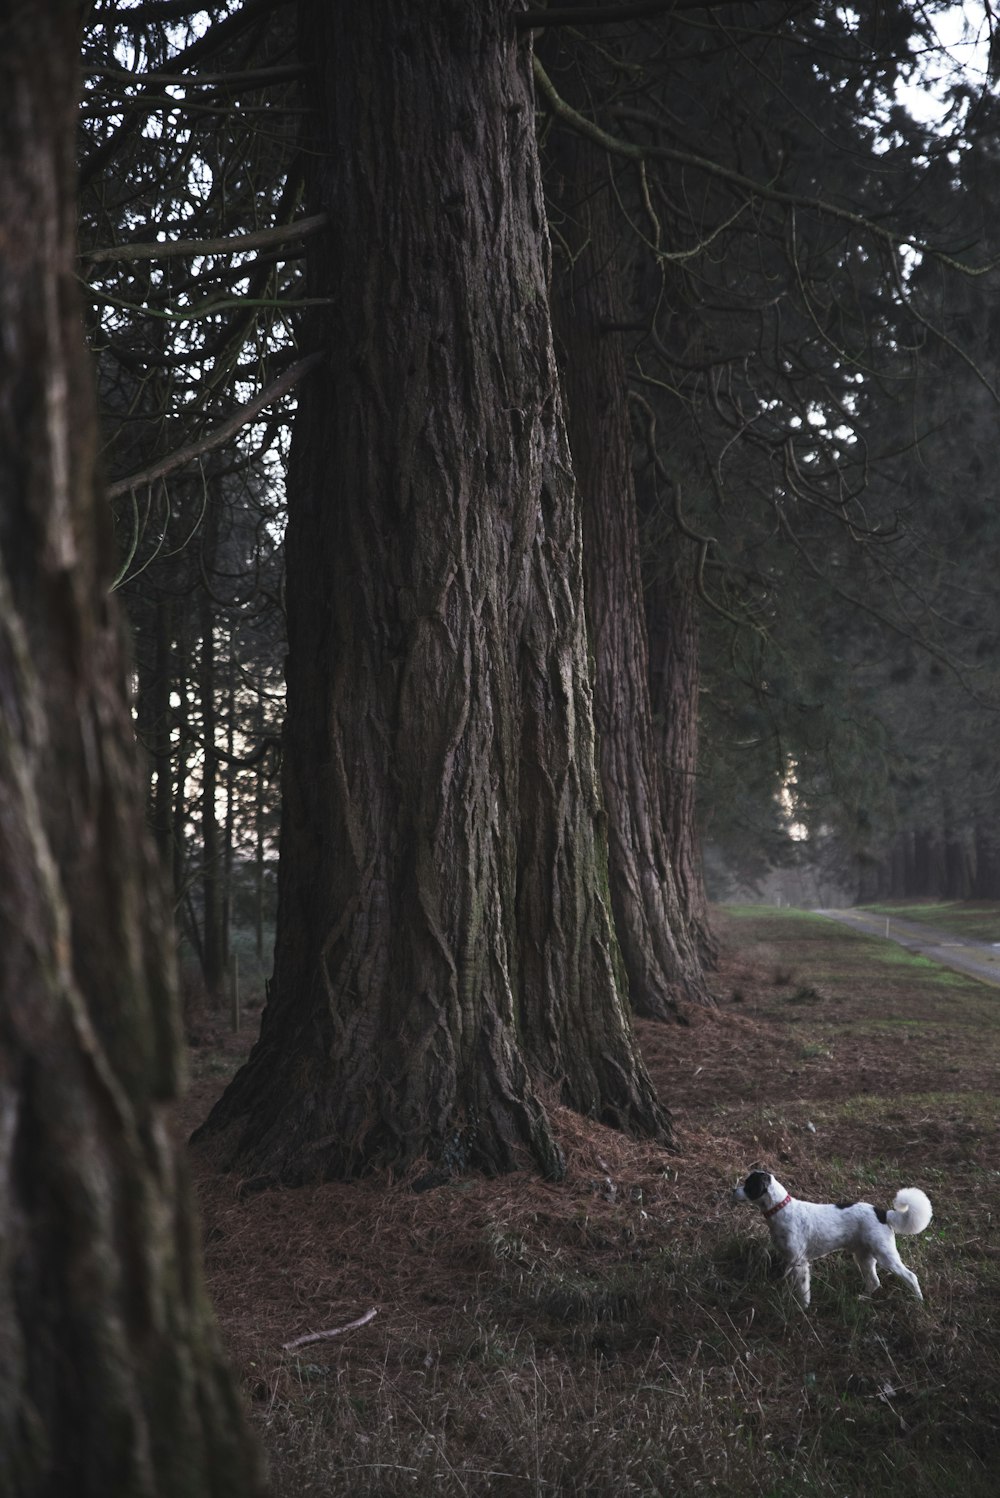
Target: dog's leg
column 889, row 1259
column 866, row 1263
column 798, row 1273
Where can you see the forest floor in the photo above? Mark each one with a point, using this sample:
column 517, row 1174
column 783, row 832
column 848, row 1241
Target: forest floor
column 624, row 1332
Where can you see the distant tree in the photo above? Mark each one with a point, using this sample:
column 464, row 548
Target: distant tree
column 773, row 201
column 190, row 244
column 111, row 1375
column 936, row 688
column 663, row 958
column 674, row 613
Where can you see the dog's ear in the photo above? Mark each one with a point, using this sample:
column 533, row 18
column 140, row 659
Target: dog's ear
column 756, row 1184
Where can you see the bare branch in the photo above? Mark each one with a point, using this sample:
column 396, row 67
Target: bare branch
column 749, row 185
column 335, row 1331
column 158, row 11
column 598, row 15
column 220, row 434
column 233, row 245
column 279, row 73
column 579, row 122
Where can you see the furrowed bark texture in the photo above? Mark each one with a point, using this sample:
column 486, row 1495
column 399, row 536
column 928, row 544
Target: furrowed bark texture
column 111, row 1377
column 662, row 962
column 672, row 606
column 444, row 930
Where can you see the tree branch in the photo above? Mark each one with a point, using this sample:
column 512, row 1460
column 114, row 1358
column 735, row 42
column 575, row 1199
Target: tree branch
column 754, row 188
column 597, row 15
column 157, row 11
column 233, row 245
column 220, row 434
column 207, row 43
column 334, row 1331
column 579, row 122
column 276, row 74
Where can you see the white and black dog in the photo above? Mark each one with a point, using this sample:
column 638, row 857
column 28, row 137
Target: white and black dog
column 802, row 1231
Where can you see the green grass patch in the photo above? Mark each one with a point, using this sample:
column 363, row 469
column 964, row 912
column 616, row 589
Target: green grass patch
column 781, row 916
column 980, row 1106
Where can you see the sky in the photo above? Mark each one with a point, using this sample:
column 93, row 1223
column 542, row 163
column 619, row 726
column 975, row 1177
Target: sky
column 964, row 29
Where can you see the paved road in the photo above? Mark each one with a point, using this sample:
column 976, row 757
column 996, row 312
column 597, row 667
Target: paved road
column 978, row 958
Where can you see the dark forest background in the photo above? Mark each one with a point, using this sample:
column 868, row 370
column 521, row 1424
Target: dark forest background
column 798, row 309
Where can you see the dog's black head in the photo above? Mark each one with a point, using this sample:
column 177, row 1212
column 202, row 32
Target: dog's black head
column 756, row 1185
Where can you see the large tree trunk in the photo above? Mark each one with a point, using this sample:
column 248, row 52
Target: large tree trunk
column 444, row 929
column 111, row 1379
column 661, row 959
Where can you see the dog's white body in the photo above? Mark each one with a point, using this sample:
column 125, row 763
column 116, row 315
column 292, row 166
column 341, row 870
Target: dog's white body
column 802, row 1231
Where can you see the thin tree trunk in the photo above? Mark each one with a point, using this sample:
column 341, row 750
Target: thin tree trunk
column 111, row 1378
column 163, row 791
column 180, row 810
column 232, row 781
column 213, row 966
column 259, row 783
column 144, row 662
column 444, row 929
column 987, row 863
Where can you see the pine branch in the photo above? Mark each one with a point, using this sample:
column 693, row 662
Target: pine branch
column 220, row 434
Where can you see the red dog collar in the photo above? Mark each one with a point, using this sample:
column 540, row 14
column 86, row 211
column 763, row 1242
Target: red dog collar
column 771, row 1210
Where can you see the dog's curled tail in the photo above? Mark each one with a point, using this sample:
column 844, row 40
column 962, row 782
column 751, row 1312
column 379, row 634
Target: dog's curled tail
column 911, row 1211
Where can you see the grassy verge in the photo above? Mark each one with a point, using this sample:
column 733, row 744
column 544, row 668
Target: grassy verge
column 976, row 919
column 625, row 1332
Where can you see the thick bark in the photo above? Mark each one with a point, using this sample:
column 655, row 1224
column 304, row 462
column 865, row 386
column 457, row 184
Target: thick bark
column 662, row 961
column 111, row 1379
column 672, row 610
column 444, row 929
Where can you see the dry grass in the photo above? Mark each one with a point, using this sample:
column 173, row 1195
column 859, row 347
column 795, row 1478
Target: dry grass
column 623, row 1332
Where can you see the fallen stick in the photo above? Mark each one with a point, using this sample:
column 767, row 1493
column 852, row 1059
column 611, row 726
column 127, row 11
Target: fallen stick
column 335, row 1331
